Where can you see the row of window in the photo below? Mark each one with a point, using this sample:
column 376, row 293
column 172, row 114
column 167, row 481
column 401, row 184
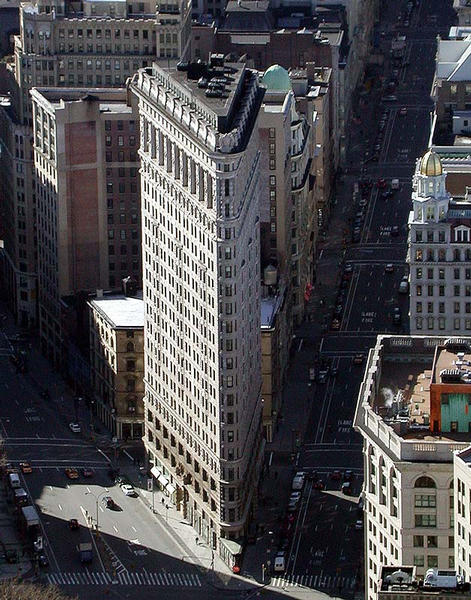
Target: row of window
column 432, row 255
column 457, row 307
column 430, row 323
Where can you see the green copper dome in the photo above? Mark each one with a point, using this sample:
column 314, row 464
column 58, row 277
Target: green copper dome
column 276, row 79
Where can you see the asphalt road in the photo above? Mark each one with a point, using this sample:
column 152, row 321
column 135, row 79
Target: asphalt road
column 326, row 544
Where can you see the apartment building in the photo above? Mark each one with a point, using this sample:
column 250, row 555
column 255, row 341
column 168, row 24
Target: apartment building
column 88, row 208
column 71, row 44
column 439, row 254
column 463, row 11
column 451, row 88
column 17, row 262
column 413, row 414
column 117, row 363
column 201, row 271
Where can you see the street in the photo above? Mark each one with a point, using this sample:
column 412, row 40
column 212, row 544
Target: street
column 358, row 296
column 135, row 548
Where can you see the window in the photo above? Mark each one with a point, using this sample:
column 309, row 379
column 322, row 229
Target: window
column 419, row 560
column 456, row 290
column 130, row 364
column 425, row 520
column 418, row 290
column 432, row 560
column 418, row 541
column 456, row 273
column 432, row 541
column 418, row 273
column 425, row 482
column 418, row 307
column 456, row 307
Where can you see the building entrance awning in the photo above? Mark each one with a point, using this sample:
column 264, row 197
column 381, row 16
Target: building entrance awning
column 156, row 472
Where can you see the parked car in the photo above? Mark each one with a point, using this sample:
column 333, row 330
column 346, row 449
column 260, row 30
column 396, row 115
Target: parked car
column 389, row 268
column 318, row 485
column 335, row 325
column 71, row 473
column 75, row 427
column 397, row 315
column 395, row 230
column 86, row 472
column 359, row 524
column 43, row 560
column 404, row 285
column 26, row 467
column 403, row 111
column 358, row 359
column 347, row 488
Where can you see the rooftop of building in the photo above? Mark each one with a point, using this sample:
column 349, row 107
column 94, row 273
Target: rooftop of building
column 122, row 312
column 398, row 580
column 111, row 100
column 402, row 370
column 269, row 307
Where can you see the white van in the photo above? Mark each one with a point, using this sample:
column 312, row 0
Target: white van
column 14, row 480
column 298, row 483
column 279, row 564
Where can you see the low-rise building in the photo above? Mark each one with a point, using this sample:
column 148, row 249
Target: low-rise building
column 117, row 363
column 413, row 414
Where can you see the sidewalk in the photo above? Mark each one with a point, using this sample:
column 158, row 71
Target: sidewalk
column 42, row 376
column 10, row 541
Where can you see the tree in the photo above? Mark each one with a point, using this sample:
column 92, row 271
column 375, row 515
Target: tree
column 15, row 590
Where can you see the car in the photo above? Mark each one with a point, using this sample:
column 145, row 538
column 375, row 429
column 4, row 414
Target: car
column 358, row 359
column 334, row 371
column 42, row 560
column 389, row 98
column 318, row 485
column 292, row 506
column 108, row 502
column 75, row 427
column 338, row 310
column 359, row 524
column 348, row 475
column 377, row 147
column 346, row 488
column 403, row 111
column 396, row 315
column 348, row 268
column 128, row 489
column 406, row 23
column 381, row 183
column 71, row 473
column 73, row 524
column 395, row 230
column 389, row 268
column 395, row 73
column 86, row 472
column 335, row 325
column 322, row 377
column 382, row 125
column 279, row 564
column 363, row 203
column 295, row 496
column 26, row 467
column 404, row 286
column 387, row 194
column 336, row 475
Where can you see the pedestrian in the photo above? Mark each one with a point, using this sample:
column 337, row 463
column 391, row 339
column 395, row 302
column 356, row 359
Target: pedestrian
column 197, row 540
column 163, row 501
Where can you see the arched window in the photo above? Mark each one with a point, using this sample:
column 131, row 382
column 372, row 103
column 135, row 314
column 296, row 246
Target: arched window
column 130, row 347
column 425, row 482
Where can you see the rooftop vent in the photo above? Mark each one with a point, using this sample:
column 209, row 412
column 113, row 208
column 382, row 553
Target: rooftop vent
column 451, row 376
column 457, row 345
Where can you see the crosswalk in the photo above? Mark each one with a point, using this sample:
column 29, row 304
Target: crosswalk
column 314, row 581
column 125, row 578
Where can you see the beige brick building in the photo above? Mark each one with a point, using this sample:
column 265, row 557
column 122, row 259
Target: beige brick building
column 117, row 363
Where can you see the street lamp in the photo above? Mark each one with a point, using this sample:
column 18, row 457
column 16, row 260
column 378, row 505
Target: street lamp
column 97, row 499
